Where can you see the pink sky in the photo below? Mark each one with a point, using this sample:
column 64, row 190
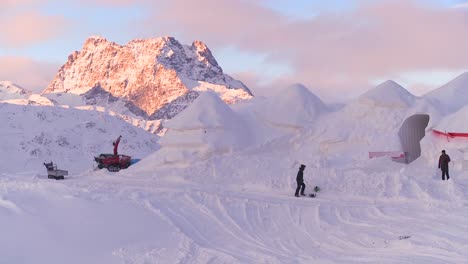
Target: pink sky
column 333, row 53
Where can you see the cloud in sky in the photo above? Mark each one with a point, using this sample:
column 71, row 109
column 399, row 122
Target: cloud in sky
column 112, row 2
column 332, row 50
column 29, row 28
column 23, row 24
column 30, row 74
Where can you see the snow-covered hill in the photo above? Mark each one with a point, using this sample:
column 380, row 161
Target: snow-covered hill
column 14, row 94
column 9, row 90
column 451, row 96
column 370, row 122
column 70, row 137
column 388, row 94
column 207, row 127
column 293, row 106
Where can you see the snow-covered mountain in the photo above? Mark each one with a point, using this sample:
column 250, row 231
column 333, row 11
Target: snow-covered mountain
column 9, row 90
column 71, row 137
column 451, row 96
column 14, row 94
column 153, row 78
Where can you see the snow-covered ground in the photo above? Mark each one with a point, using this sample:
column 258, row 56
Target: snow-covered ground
column 202, row 199
column 70, row 137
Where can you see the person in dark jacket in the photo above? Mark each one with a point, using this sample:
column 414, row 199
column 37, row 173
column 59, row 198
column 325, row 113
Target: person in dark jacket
column 300, row 181
column 444, row 160
column 116, row 145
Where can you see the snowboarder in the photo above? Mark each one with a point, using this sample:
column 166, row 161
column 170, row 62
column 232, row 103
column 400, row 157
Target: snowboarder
column 444, row 160
column 300, row 181
column 116, row 145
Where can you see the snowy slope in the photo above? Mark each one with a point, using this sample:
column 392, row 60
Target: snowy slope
column 69, row 137
column 455, row 122
column 451, row 96
column 371, row 122
column 238, row 206
column 207, row 127
column 103, row 103
column 388, row 93
column 9, row 90
column 293, row 106
column 14, row 94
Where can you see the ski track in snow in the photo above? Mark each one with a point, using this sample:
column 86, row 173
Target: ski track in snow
column 215, row 224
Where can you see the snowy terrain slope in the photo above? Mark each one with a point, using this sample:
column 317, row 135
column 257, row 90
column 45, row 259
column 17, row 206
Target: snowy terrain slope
column 293, row 106
column 70, row 137
column 9, row 90
column 12, row 93
column 237, row 206
column 451, row 96
column 370, row 122
column 207, row 127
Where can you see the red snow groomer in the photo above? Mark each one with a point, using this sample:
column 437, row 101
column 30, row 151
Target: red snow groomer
column 113, row 162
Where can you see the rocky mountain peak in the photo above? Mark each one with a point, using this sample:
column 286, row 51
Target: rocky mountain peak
column 149, row 74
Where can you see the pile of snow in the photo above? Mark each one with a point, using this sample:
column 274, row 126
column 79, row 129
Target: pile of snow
column 388, row 94
column 295, row 106
column 69, row 137
column 451, row 96
column 456, row 147
column 208, row 111
column 455, row 122
column 208, row 126
column 372, row 121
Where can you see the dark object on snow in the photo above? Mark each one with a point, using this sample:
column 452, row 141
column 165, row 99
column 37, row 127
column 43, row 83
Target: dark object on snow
column 444, row 160
column 411, row 132
column 53, row 172
column 113, row 162
column 312, row 195
column 116, row 145
column 316, row 189
column 300, row 181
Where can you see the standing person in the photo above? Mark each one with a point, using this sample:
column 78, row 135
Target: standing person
column 300, row 181
column 444, row 160
column 116, row 145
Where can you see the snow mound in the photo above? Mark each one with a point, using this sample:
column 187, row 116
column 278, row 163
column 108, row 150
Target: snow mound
column 451, row 96
column 294, row 106
column 456, row 122
column 388, row 94
column 208, row 111
column 207, row 127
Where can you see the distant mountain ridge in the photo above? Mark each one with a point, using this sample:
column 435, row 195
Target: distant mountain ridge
column 10, row 90
column 156, row 78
